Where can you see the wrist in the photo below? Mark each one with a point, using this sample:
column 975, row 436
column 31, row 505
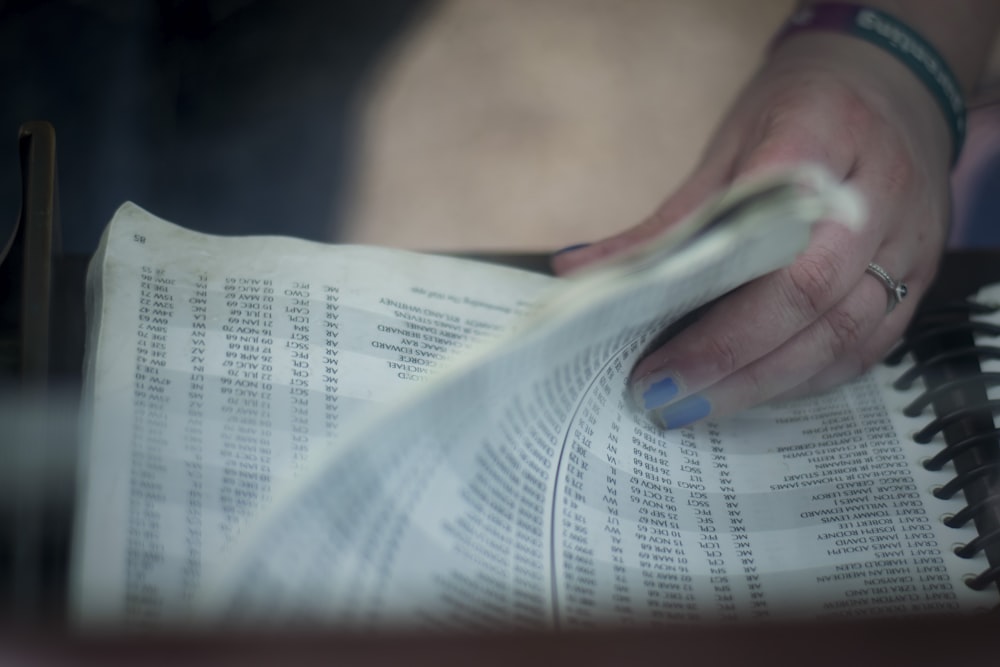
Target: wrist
column 875, row 28
column 877, row 82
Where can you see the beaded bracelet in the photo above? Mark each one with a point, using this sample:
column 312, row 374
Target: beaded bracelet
column 895, row 37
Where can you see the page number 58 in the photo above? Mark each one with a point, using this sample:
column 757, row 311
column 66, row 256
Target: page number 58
column 138, row 238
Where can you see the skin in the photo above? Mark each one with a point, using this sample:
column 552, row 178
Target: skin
column 836, row 100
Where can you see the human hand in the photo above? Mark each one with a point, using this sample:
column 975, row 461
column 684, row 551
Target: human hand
column 829, row 99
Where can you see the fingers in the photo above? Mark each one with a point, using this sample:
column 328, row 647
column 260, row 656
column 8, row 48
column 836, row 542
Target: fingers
column 733, row 153
column 697, row 189
column 857, row 361
column 846, row 340
column 820, row 321
column 751, row 140
column 823, row 319
column 755, row 319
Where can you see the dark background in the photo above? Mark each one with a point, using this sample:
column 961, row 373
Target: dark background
column 235, row 116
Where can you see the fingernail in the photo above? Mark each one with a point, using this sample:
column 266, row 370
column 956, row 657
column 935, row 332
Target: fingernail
column 659, row 392
column 685, row 411
column 570, row 248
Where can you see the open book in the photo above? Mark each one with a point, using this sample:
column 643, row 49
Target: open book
column 285, row 430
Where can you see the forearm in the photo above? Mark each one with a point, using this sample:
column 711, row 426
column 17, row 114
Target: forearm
column 962, row 31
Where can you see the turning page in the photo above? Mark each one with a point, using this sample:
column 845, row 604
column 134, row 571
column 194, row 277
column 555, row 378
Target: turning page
column 284, row 430
column 524, row 491
column 220, row 368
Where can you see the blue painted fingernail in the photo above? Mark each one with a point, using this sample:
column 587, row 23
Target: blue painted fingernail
column 685, row 411
column 570, row 248
column 659, row 393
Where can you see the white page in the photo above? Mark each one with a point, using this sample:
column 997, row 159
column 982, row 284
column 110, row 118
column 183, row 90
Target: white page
column 815, row 509
column 491, row 512
column 825, row 512
column 217, row 376
column 445, row 510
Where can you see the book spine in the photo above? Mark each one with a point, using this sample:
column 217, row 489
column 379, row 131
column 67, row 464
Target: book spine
column 954, row 354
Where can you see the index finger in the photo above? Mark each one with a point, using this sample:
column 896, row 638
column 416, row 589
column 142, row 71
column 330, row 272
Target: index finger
column 753, row 320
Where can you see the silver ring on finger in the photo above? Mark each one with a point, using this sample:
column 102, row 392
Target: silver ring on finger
column 896, row 290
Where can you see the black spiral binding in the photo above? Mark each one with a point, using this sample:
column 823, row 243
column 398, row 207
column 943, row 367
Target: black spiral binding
column 948, row 359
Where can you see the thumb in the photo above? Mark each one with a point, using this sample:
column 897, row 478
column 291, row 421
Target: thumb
column 692, row 193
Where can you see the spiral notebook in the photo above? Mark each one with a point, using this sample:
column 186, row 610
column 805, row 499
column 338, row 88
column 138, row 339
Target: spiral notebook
column 954, row 346
column 531, row 494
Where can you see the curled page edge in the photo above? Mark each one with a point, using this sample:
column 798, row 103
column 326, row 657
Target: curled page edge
column 841, row 203
column 605, row 282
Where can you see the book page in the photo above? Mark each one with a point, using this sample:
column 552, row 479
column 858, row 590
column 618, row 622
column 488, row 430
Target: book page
column 503, row 491
column 525, row 492
column 818, row 508
column 222, row 367
column 581, row 514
